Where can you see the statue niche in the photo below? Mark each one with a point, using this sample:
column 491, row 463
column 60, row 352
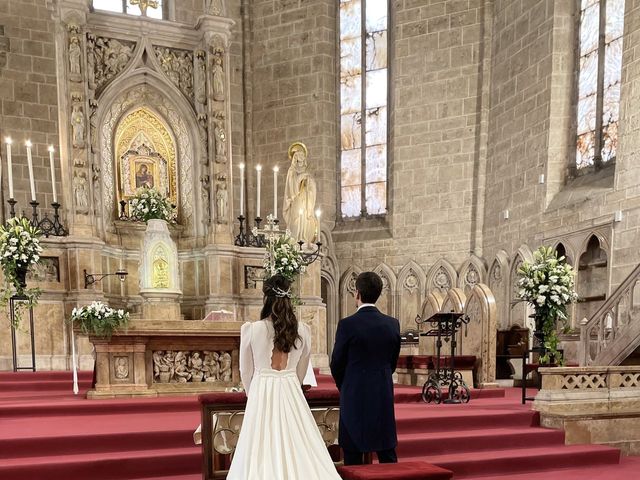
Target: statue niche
column 145, row 155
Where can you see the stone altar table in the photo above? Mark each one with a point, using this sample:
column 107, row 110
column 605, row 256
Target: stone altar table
column 168, row 357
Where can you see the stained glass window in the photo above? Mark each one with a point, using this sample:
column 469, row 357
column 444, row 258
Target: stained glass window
column 363, row 107
column 600, row 72
column 154, row 9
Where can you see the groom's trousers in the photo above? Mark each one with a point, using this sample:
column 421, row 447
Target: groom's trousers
column 357, row 458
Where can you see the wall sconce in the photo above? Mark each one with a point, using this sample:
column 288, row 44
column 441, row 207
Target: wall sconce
column 617, row 216
column 91, row 278
column 541, row 179
column 505, row 215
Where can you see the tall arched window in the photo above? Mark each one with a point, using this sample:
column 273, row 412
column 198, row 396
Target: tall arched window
column 363, row 107
column 151, row 8
column 600, row 71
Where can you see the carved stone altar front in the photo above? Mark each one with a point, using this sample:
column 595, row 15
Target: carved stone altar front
column 153, row 358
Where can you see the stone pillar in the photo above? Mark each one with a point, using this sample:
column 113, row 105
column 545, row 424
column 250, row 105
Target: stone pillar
column 314, row 313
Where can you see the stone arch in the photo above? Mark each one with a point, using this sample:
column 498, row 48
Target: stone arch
column 454, row 301
column 497, row 279
column 564, row 249
column 442, row 276
column 472, row 272
column 519, row 311
column 348, row 290
column 387, row 302
column 147, row 91
column 410, row 289
column 479, row 337
column 592, row 277
column 329, row 278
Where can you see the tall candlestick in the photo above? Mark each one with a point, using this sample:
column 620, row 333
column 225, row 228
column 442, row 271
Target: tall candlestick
column 259, row 170
column 242, row 189
column 9, row 166
column 32, row 182
column 53, row 174
column 275, row 191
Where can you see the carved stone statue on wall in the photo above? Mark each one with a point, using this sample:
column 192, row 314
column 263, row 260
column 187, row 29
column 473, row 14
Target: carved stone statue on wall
column 206, row 197
column 300, row 196
column 211, row 366
column 225, row 367
column 77, row 126
column 222, row 200
column 75, row 54
column 91, row 62
column 221, row 142
column 80, row 191
column 200, row 78
column 218, row 78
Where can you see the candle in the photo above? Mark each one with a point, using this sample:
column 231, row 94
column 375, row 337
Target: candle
column 32, row 183
column 318, row 212
column 259, row 170
column 9, row 167
column 275, row 191
column 241, row 189
column 300, row 232
column 53, row 174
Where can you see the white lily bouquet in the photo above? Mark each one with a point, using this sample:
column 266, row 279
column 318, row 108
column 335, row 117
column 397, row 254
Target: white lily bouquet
column 99, row 319
column 150, row 204
column 283, row 257
column 548, row 284
column 19, row 249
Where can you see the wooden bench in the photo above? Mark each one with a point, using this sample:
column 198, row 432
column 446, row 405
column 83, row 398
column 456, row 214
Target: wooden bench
column 222, row 420
column 395, row 471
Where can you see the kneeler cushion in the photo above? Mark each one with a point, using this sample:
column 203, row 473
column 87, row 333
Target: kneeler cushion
column 395, row 471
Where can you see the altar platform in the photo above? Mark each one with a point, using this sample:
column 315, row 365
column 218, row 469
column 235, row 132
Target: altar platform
column 47, row 432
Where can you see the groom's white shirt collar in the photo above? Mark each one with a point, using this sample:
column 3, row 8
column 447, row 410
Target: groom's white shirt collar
column 366, row 305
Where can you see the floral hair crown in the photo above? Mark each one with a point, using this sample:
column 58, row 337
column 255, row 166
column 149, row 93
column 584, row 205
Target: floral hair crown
column 281, row 293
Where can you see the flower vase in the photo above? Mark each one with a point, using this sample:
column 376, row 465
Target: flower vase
column 21, row 277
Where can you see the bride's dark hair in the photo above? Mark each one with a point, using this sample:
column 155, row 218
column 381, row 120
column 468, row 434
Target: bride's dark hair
column 278, row 307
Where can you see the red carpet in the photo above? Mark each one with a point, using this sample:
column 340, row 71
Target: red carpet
column 47, row 432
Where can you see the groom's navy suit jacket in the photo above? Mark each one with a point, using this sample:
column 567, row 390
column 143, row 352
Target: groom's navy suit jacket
column 363, row 361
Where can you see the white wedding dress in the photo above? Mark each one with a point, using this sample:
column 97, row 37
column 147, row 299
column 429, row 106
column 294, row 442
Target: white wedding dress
column 279, row 439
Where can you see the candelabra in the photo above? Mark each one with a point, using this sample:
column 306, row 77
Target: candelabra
column 309, row 256
column 46, row 226
column 253, row 237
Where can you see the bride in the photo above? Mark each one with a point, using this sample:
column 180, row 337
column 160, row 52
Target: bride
column 279, row 439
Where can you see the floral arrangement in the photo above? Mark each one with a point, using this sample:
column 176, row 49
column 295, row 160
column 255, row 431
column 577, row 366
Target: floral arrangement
column 547, row 284
column 283, row 256
column 19, row 249
column 149, row 204
column 99, row 319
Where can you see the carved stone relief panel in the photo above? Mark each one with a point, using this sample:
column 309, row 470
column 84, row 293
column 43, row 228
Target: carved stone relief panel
column 178, row 67
column 253, row 277
column 106, row 58
column 46, row 270
column 222, row 199
column 121, row 367
column 441, row 280
column 74, row 53
column 217, row 73
column 191, row 366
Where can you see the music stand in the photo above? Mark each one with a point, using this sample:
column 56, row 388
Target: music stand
column 444, row 327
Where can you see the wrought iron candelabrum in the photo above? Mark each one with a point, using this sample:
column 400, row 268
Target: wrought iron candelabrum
column 253, row 237
column 309, row 256
column 47, row 226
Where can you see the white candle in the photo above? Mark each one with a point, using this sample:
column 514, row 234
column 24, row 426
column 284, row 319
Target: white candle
column 9, row 167
column 32, row 183
column 53, row 174
column 318, row 213
column 259, row 170
column 275, row 191
column 300, row 225
column 241, row 189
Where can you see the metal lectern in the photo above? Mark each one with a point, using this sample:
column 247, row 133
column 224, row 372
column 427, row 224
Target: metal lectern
column 444, row 326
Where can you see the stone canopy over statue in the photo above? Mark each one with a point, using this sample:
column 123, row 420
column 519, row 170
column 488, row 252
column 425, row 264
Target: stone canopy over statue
column 300, row 196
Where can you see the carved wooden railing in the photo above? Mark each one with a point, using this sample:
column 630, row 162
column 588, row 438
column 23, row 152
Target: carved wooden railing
column 613, row 332
column 222, row 415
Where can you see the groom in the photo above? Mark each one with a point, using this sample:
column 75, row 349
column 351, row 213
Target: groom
column 363, row 361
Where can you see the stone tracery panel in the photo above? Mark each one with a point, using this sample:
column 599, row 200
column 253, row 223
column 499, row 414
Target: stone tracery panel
column 192, row 366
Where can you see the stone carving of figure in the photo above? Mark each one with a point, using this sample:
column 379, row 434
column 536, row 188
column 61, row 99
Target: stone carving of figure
column 200, row 78
column 182, row 374
column 74, row 56
column 206, row 197
column 196, row 367
column 221, row 142
column 77, row 125
column 80, row 191
column 91, row 62
column 159, row 366
column 225, row 367
column 211, row 366
column 218, row 79
column 122, row 368
column 300, row 196
column 222, row 199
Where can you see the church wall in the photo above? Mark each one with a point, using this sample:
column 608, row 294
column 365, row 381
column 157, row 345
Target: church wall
column 530, row 133
column 293, row 90
column 28, row 98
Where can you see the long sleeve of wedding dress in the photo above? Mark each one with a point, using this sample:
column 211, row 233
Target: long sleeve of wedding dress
column 247, row 364
column 305, row 356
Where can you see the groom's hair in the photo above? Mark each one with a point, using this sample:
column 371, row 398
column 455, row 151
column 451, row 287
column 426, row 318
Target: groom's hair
column 369, row 285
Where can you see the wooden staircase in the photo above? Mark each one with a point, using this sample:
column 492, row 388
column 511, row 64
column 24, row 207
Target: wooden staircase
column 613, row 333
